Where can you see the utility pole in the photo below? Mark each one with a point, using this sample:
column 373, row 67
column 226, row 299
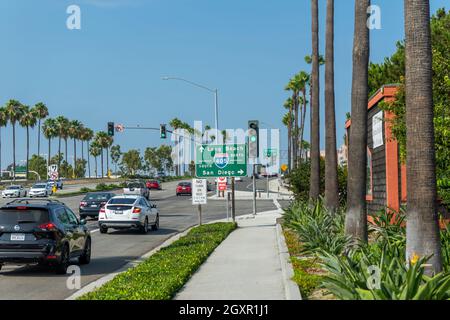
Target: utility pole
column 233, row 202
column 199, row 214
column 254, row 189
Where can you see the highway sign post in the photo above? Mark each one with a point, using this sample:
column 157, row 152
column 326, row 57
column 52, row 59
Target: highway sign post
column 213, row 161
column 199, row 195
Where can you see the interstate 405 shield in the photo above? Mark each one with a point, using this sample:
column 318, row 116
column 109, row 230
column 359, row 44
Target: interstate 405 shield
column 229, row 160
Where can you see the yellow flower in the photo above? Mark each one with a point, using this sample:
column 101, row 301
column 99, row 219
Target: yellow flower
column 415, row 257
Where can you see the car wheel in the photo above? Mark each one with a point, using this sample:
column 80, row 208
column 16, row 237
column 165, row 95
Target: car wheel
column 85, row 258
column 144, row 228
column 103, row 230
column 61, row 267
column 1, row 267
column 156, row 225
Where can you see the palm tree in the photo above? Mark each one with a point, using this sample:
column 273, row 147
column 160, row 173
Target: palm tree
column 95, row 150
column 289, row 105
column 422, row 229
column 62, row 124
column 50, row 131
column 331, row 176
column 41, row 112
column 14, row 111
column 28, row 120
column 88, row 136
column 102, row 140
column 75, row 127
column 314, row 187
column 3, row 123
column 356, row 218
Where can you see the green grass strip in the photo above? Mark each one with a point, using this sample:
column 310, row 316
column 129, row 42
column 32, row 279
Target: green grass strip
column 163, row 274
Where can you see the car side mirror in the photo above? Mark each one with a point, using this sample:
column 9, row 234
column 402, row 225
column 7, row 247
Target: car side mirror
column 83, row 222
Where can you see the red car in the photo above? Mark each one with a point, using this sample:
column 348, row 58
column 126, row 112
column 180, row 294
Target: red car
column 153, row 185
column 184, row 188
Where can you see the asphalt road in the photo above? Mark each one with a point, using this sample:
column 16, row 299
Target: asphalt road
column 113, row 250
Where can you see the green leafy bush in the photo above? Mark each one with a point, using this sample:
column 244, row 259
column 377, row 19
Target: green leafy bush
column 165, row 272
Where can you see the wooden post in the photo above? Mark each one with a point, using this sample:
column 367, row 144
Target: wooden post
column 199, row 214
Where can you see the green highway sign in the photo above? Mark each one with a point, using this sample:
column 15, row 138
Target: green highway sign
column 212, row 161
column 271, row 153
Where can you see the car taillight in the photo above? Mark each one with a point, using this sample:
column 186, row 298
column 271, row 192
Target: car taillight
column 48, row 226
column 102, row 210
column 137, row 210
column 83, row 204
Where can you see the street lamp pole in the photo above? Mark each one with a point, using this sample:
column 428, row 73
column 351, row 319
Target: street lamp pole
column 216, row 100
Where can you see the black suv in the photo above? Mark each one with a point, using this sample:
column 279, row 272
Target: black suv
column 42, row 231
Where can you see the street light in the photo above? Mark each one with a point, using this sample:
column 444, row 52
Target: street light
column 216, row 99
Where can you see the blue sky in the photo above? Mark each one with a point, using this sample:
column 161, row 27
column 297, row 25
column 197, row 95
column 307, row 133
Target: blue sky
column 111, row 69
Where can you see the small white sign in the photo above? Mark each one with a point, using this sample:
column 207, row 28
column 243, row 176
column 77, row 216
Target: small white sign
column 53, row 172
column 199, row 191
column 377, row 130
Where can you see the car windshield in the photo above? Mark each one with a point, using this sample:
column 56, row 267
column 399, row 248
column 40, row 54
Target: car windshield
column 96, row 196
column 122, row 201
column 40, row 186
column 13, row 188
column 15, row 217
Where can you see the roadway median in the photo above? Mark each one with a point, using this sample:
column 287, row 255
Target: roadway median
column 165, row 272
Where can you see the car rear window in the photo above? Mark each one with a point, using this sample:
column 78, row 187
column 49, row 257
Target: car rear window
column 122, row 201
column 134, row 185
column 96, row 196
column 14, row 216
column 184, row 184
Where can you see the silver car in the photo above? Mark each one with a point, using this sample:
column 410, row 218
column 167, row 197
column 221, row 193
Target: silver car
column 128, row 211
column 41, row 190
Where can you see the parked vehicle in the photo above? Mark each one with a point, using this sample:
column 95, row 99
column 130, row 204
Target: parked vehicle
column 128, row 211
column 14, row 191
column 58, row 183
column 40, row 190
column 42, row 231
column 184, row 188
column 153, row 185
column 92, row 203
column 137, row 188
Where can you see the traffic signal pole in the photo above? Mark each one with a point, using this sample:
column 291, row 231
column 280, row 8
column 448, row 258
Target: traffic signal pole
column 254, row 189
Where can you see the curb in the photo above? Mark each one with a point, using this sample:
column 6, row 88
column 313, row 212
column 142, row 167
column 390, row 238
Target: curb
column 292, row 290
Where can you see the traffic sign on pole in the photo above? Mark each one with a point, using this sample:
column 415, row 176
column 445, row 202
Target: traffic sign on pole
column 199, row 191
column 52, row 172
column 221, row 160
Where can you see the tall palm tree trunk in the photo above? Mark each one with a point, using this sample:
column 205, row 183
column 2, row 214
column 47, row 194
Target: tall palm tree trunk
column 96, row 172
column 28, row 152
column 74, row 156
column 89, row 159
column 49, row 152
column 289, row 145
column 14, row 151
column 302, row 125
column 331, row 177
column 101, row 162
column 314, row 188
column 107, row 161
column 356, row 218
column 422, row 229
column 296, row 130
column 59, row 156
column 66, row 173
column 39, row 137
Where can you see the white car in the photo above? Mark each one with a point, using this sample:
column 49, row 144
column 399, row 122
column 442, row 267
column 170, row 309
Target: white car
column 16, row 191
column 128, row 211
column 40, row 190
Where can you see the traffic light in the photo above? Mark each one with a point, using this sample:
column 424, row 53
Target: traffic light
column 163, row 131
column 253, row 139
column 111, row 129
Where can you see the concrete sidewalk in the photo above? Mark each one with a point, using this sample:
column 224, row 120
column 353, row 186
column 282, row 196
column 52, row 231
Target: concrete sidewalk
column 251, row 264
